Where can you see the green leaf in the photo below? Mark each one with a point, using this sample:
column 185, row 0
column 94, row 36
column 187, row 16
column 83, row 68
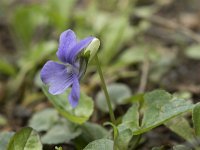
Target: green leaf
column 25, row 139
column 25, row 28
column 115, row 129
column 193, row 52
column 80, row 114
column 123, row 139
column 33, row 58
column 157, row 108
column 160, row 106
column 59, row 13
column 136, row 54
column 181, row 126
column 44, row 120
column 6, row 68
column 132, row 55
column 118, row 95
column 61, row 133
column 4, row 139
column 115, row 33
column 92, row 131
column 130, row 119
column 101, row 144
column 136, row 98
column 196, row 119
column 38, row 53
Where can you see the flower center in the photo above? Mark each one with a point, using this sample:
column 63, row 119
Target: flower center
column 72, row 69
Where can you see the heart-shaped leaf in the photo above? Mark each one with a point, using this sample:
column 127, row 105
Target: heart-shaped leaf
column 25, row 139
column 158, row 107
column 60, row 133
column 80, row 114
column 43, row 120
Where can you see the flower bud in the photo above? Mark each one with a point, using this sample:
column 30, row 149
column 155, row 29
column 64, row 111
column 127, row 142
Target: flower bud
column 92, row 48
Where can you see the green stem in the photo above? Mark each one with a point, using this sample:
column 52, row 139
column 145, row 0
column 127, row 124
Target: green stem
column 136, row 142
column 103, row 84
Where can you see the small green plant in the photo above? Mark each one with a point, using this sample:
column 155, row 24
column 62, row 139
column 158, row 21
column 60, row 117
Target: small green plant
column 146, row 111
column 80, row 114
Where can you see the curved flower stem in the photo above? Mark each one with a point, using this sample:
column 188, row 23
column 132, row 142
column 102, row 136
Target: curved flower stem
column 103, row 84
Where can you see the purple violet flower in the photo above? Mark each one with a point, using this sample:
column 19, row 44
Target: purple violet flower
column 60, row 76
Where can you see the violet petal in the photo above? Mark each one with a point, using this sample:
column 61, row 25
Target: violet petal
column 56, row 76
column 78, row 48
column 75, row 92
column 66, row 42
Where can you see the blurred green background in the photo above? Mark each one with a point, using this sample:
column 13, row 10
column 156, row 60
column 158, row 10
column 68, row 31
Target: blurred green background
column 145, row 44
